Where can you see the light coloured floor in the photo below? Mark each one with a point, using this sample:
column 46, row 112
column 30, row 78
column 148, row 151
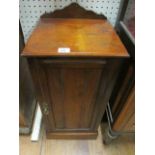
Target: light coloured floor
column 120, row 146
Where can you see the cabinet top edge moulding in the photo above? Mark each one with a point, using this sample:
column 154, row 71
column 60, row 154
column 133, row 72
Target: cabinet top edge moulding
column 59, row 36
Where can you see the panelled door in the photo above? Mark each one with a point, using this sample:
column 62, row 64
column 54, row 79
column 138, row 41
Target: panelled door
column 73, row 93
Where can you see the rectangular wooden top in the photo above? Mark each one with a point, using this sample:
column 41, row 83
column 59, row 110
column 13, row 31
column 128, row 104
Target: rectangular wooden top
column 74, row 37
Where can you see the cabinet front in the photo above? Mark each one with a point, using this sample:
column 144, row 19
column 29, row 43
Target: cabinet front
column 72, row 93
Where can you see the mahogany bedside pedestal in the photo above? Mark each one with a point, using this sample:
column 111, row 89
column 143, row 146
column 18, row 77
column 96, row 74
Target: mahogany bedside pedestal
column 74, row 64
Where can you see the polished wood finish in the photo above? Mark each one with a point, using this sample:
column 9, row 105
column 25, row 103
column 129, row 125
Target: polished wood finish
column 72, row 135
column 73, row 88
column 122, row 146
column 84, row 38
column 75, row 92
column 26, row 91
column 122, row 105
column 122, row 100
column 124, row 85
column 125, row 121
column 74, row 10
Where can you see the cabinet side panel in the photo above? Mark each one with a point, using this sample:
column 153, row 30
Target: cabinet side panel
column 108, row 78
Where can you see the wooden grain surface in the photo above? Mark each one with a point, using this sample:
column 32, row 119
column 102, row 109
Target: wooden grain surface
column 121, row 146
column 75, row 91
column 74, row 10
column 125, row 120
column 84, row 37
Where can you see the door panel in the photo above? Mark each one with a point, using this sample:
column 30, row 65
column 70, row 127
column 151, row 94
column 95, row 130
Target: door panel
column 72, row 95
column 72, row 91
